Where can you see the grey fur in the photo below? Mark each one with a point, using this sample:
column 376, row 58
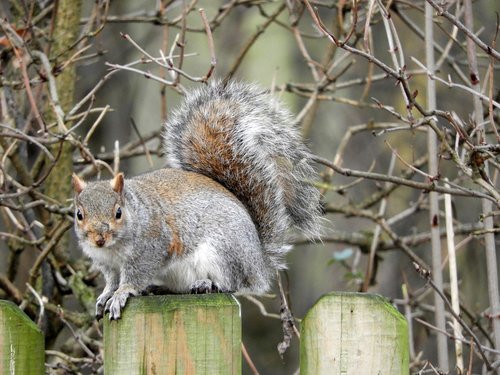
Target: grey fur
column 182, row 228
column 268, row 141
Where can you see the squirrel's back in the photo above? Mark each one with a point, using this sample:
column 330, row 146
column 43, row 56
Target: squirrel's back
column 242, row 137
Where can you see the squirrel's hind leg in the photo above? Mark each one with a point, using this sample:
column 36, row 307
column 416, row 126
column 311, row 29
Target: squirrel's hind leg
column 205, row 286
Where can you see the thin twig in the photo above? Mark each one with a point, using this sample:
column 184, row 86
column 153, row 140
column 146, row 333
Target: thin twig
column 450, row 17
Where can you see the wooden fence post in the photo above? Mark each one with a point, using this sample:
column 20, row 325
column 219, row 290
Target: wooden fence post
column 22, row 346
column 352, row 334
column 175, row 334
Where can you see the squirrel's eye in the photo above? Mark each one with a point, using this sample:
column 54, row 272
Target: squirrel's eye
column 118, row 214
column 79, row 214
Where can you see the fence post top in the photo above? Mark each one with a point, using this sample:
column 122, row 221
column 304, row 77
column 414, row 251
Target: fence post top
column 8, row 308
column 167, row 334
column 376, row 301
column 354, row 333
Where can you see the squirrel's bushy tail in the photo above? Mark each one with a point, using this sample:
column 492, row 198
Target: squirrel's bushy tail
column 242, row 137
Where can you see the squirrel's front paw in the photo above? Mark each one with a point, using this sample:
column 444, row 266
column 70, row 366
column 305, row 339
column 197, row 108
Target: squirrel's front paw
column 206, row 286
column 117, row 302
column 100, row 303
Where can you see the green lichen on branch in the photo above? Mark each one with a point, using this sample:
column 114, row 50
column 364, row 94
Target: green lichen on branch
column 66, row 30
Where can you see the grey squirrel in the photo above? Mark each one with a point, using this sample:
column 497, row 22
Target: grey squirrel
column 238, row 177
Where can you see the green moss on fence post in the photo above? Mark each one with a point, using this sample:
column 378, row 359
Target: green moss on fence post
column 352, row 334
column 22, row 347
column 175, row 334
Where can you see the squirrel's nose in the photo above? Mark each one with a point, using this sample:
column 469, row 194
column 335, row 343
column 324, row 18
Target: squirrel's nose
column 100, row 242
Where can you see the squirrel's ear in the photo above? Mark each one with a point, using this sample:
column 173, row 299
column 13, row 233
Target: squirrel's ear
column 117, row 183
column 78, row 183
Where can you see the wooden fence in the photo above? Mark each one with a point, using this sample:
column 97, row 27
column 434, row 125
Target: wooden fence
column 342, row 334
